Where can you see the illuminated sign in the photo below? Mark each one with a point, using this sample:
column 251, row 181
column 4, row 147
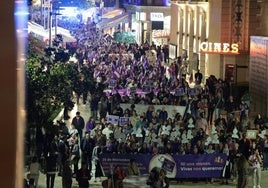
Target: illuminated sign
column 160, row 33
column 219, row 48
column 157, row 16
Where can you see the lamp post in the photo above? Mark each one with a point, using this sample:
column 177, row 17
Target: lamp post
column 51, row 13
column 50, row 25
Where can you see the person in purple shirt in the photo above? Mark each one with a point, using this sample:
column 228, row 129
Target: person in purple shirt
column 91, row 124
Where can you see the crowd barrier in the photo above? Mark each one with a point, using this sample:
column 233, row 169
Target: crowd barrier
column 176, row 166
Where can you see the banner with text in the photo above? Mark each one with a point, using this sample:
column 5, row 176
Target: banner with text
column 176, row 166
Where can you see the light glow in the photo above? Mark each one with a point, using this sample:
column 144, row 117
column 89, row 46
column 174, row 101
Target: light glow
column 219, row 48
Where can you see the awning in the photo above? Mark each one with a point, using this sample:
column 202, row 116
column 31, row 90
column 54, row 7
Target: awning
column 112, row 13
column 113, row 22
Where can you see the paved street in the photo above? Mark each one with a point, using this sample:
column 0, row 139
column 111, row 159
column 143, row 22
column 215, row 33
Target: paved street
column 174, row 184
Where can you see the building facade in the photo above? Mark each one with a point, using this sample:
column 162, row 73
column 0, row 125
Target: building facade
column 215, row 38
column 149, row 20
column 214, row 35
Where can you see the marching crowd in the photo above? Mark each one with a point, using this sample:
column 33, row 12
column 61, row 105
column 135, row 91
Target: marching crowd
column 214, row 120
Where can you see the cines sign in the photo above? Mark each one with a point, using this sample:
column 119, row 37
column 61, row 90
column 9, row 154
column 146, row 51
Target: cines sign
column 219, row 48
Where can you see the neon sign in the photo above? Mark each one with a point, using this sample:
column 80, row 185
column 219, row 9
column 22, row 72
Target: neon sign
column 219, row 48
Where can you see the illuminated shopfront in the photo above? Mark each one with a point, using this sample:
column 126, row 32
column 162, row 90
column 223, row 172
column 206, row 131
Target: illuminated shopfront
column 217, row 34
column 150, row 23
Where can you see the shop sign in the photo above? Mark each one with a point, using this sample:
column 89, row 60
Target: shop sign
column 157, row 16
column 160, row 33
column 219, row 48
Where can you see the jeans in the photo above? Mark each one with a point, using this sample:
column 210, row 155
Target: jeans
column 256, row 177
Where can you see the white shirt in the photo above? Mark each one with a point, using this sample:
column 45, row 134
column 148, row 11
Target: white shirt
column 254, row 161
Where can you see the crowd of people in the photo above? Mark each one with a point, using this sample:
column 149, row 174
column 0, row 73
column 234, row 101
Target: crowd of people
column 215, row 121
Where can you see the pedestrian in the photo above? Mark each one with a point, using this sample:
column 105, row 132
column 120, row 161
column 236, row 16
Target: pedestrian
column 244, row 145
column 75, row 156
column 63, row 153
column 67, row 175
column 94, row 106
column 255, row 165
column 51, row 169
column 243, row 167
column 198, row 77
column 34, row 169
column 72, row 130
column 116, row 179
column 226, row 174
column 87, row 145
column 154, row 178
column 163, row 177
column 83, row 176
column 265, row 152
column 133, row 168
column 79, row 123
column 90, row 125
column 244, row 108
column 103, row 107
column 97, row 170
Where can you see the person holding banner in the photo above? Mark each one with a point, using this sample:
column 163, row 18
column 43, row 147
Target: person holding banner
column 154, row 178
column 164, row 178
column 132, row 168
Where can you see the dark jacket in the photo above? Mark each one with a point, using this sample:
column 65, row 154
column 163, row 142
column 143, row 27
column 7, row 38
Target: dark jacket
column 51, row 163
column 79, row 124
column 83, row 176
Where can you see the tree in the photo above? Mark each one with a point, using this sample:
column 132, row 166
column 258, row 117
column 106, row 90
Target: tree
column 47, row 91
column 50, row 82
column 124, row 37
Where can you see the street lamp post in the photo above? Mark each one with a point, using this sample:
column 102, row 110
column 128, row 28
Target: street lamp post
column 50, row 25
column 51, row 13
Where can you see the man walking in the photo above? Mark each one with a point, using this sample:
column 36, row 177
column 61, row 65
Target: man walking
column 79, row 123
column 87, row 145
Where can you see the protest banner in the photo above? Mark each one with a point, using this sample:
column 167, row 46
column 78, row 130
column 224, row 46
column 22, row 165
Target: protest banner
column 113, row 119
column 124, row 121
column 176, row 166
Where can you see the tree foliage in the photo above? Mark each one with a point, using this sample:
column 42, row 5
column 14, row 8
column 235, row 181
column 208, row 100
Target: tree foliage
column 47, row 91
column 49, row 82
column 124, row 37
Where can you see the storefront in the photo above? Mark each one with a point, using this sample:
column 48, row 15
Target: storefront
column 150, row 23
column 116, row 20
column 214, row 36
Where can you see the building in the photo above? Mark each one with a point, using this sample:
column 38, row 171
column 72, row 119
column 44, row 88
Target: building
column 149, row 20
column 214, row 36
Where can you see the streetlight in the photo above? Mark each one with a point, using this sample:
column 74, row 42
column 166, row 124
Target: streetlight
column 51, row 13
column 50, row 24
